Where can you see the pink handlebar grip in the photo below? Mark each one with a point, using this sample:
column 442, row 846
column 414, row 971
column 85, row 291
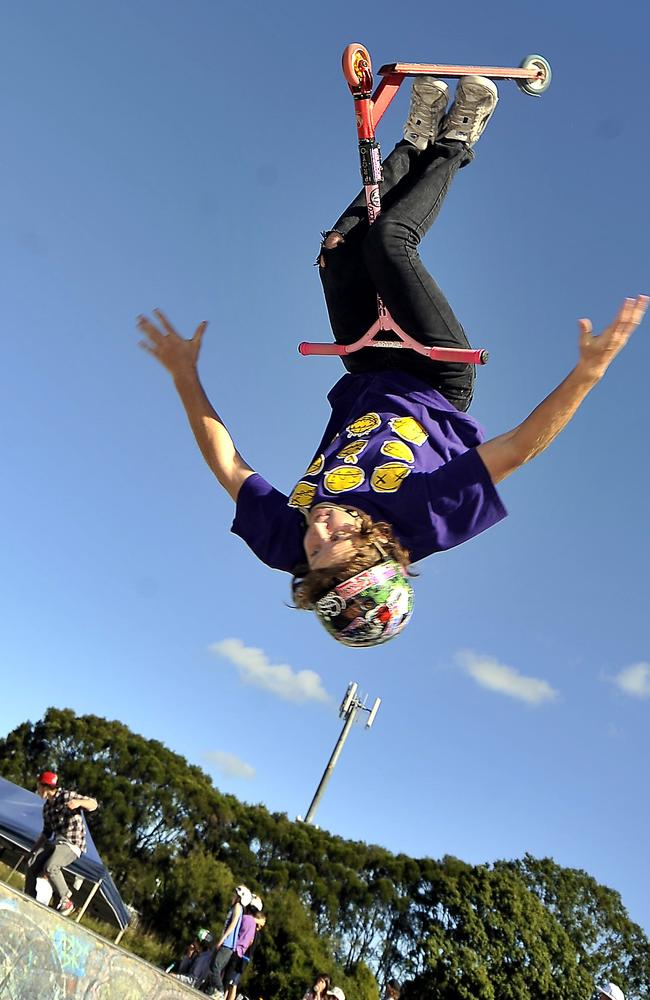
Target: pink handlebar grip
column 306, row 349
column 467, row 357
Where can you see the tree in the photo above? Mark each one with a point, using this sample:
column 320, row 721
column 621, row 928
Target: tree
column 610, row 945
column 177, row 847
column 154, row 807
column 489, row 938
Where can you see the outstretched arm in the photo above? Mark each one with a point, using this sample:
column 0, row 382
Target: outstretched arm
column 180, row 356
column 503, row 454
column 82, row 802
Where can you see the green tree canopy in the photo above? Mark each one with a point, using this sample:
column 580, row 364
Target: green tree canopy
column 177, row 846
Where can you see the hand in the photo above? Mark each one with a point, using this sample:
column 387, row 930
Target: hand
column 597, row 353
column 174, row 352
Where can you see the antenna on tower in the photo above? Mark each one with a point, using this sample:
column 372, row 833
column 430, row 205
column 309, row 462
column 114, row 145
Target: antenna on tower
column 350, row 707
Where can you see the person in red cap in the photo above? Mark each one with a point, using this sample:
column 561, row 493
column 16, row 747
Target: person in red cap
column 62, row 840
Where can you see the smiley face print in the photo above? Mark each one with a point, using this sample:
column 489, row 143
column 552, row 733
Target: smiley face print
column 350, row 453
column 343, row 478
column 408, row 429
column 397, row 449
column 303, row 495
column 389, row 477
column 316, row 466
column 364, row 425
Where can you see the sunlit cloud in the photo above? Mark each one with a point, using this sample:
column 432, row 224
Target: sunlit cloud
column 229, row 765
column 495, row 676
column 634, row 680
column 254, row 667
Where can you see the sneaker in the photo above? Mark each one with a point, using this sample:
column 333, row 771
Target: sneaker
column 428, row 105
column 474, row 104
column 66, row 907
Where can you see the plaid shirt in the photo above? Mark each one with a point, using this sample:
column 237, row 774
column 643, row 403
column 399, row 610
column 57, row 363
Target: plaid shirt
column 59, row 821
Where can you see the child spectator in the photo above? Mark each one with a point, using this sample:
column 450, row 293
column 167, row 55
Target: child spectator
column 252, row 922
column 319, row 989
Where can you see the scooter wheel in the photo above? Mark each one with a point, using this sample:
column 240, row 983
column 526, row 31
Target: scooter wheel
column 536, row 87
column 357, row 67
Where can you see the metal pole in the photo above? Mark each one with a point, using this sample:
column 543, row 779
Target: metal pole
column 327, row 773
column 88, row 900
column 15, row 868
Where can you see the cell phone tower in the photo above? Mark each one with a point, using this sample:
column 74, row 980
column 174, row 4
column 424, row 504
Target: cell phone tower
column 350, row 707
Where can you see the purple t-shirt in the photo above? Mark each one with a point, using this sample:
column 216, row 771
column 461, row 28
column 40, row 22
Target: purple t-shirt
column 395, row 449
column 246, row 934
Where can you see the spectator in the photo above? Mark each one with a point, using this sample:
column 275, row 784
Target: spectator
column 195, row 965
column 393, row 990
column 62, row 840
column 252, row 922
column 225, row 946
column 319, row 989
column 192, row 951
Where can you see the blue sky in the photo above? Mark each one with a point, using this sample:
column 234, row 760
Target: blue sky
column 186, row 155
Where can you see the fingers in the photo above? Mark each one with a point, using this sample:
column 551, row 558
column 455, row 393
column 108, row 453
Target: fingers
column 198, row 333
column 151, row 331
column 164, row 322
column 639, row 308
column 628, row 317
column 632, row 312
column 624, row 319
column 157, row 336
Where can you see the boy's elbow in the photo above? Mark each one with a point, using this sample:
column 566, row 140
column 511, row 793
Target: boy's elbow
column 503, row 455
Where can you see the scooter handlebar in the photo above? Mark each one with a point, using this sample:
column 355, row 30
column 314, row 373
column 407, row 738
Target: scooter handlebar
column 305, row 349
column 466, row 357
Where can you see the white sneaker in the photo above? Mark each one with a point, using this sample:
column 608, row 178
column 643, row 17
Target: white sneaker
column 474, row 104
column 428, row 105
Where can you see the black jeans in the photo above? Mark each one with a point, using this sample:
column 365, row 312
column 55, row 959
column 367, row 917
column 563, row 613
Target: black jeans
column 383, row 258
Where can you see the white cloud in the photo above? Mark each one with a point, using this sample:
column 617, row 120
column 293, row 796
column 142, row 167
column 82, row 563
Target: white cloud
column 635, row 680
column 229, row 765
column 280, row 679
column 495, row 676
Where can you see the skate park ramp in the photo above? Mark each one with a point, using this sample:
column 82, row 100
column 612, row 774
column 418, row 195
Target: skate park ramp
column 44, row 956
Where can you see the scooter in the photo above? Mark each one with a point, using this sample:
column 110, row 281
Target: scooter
column 533, row 77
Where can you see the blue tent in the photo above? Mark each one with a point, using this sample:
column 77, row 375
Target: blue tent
column 21, row 822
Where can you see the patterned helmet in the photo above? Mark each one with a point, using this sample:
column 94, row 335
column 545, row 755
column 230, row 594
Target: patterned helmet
column 256, row 903
column 48, row 778
column 369, row 608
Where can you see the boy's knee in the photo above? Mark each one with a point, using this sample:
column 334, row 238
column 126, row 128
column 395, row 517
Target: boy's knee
column 331, row 240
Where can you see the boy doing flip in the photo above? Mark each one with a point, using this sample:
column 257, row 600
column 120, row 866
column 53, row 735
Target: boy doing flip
column 402, row 471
